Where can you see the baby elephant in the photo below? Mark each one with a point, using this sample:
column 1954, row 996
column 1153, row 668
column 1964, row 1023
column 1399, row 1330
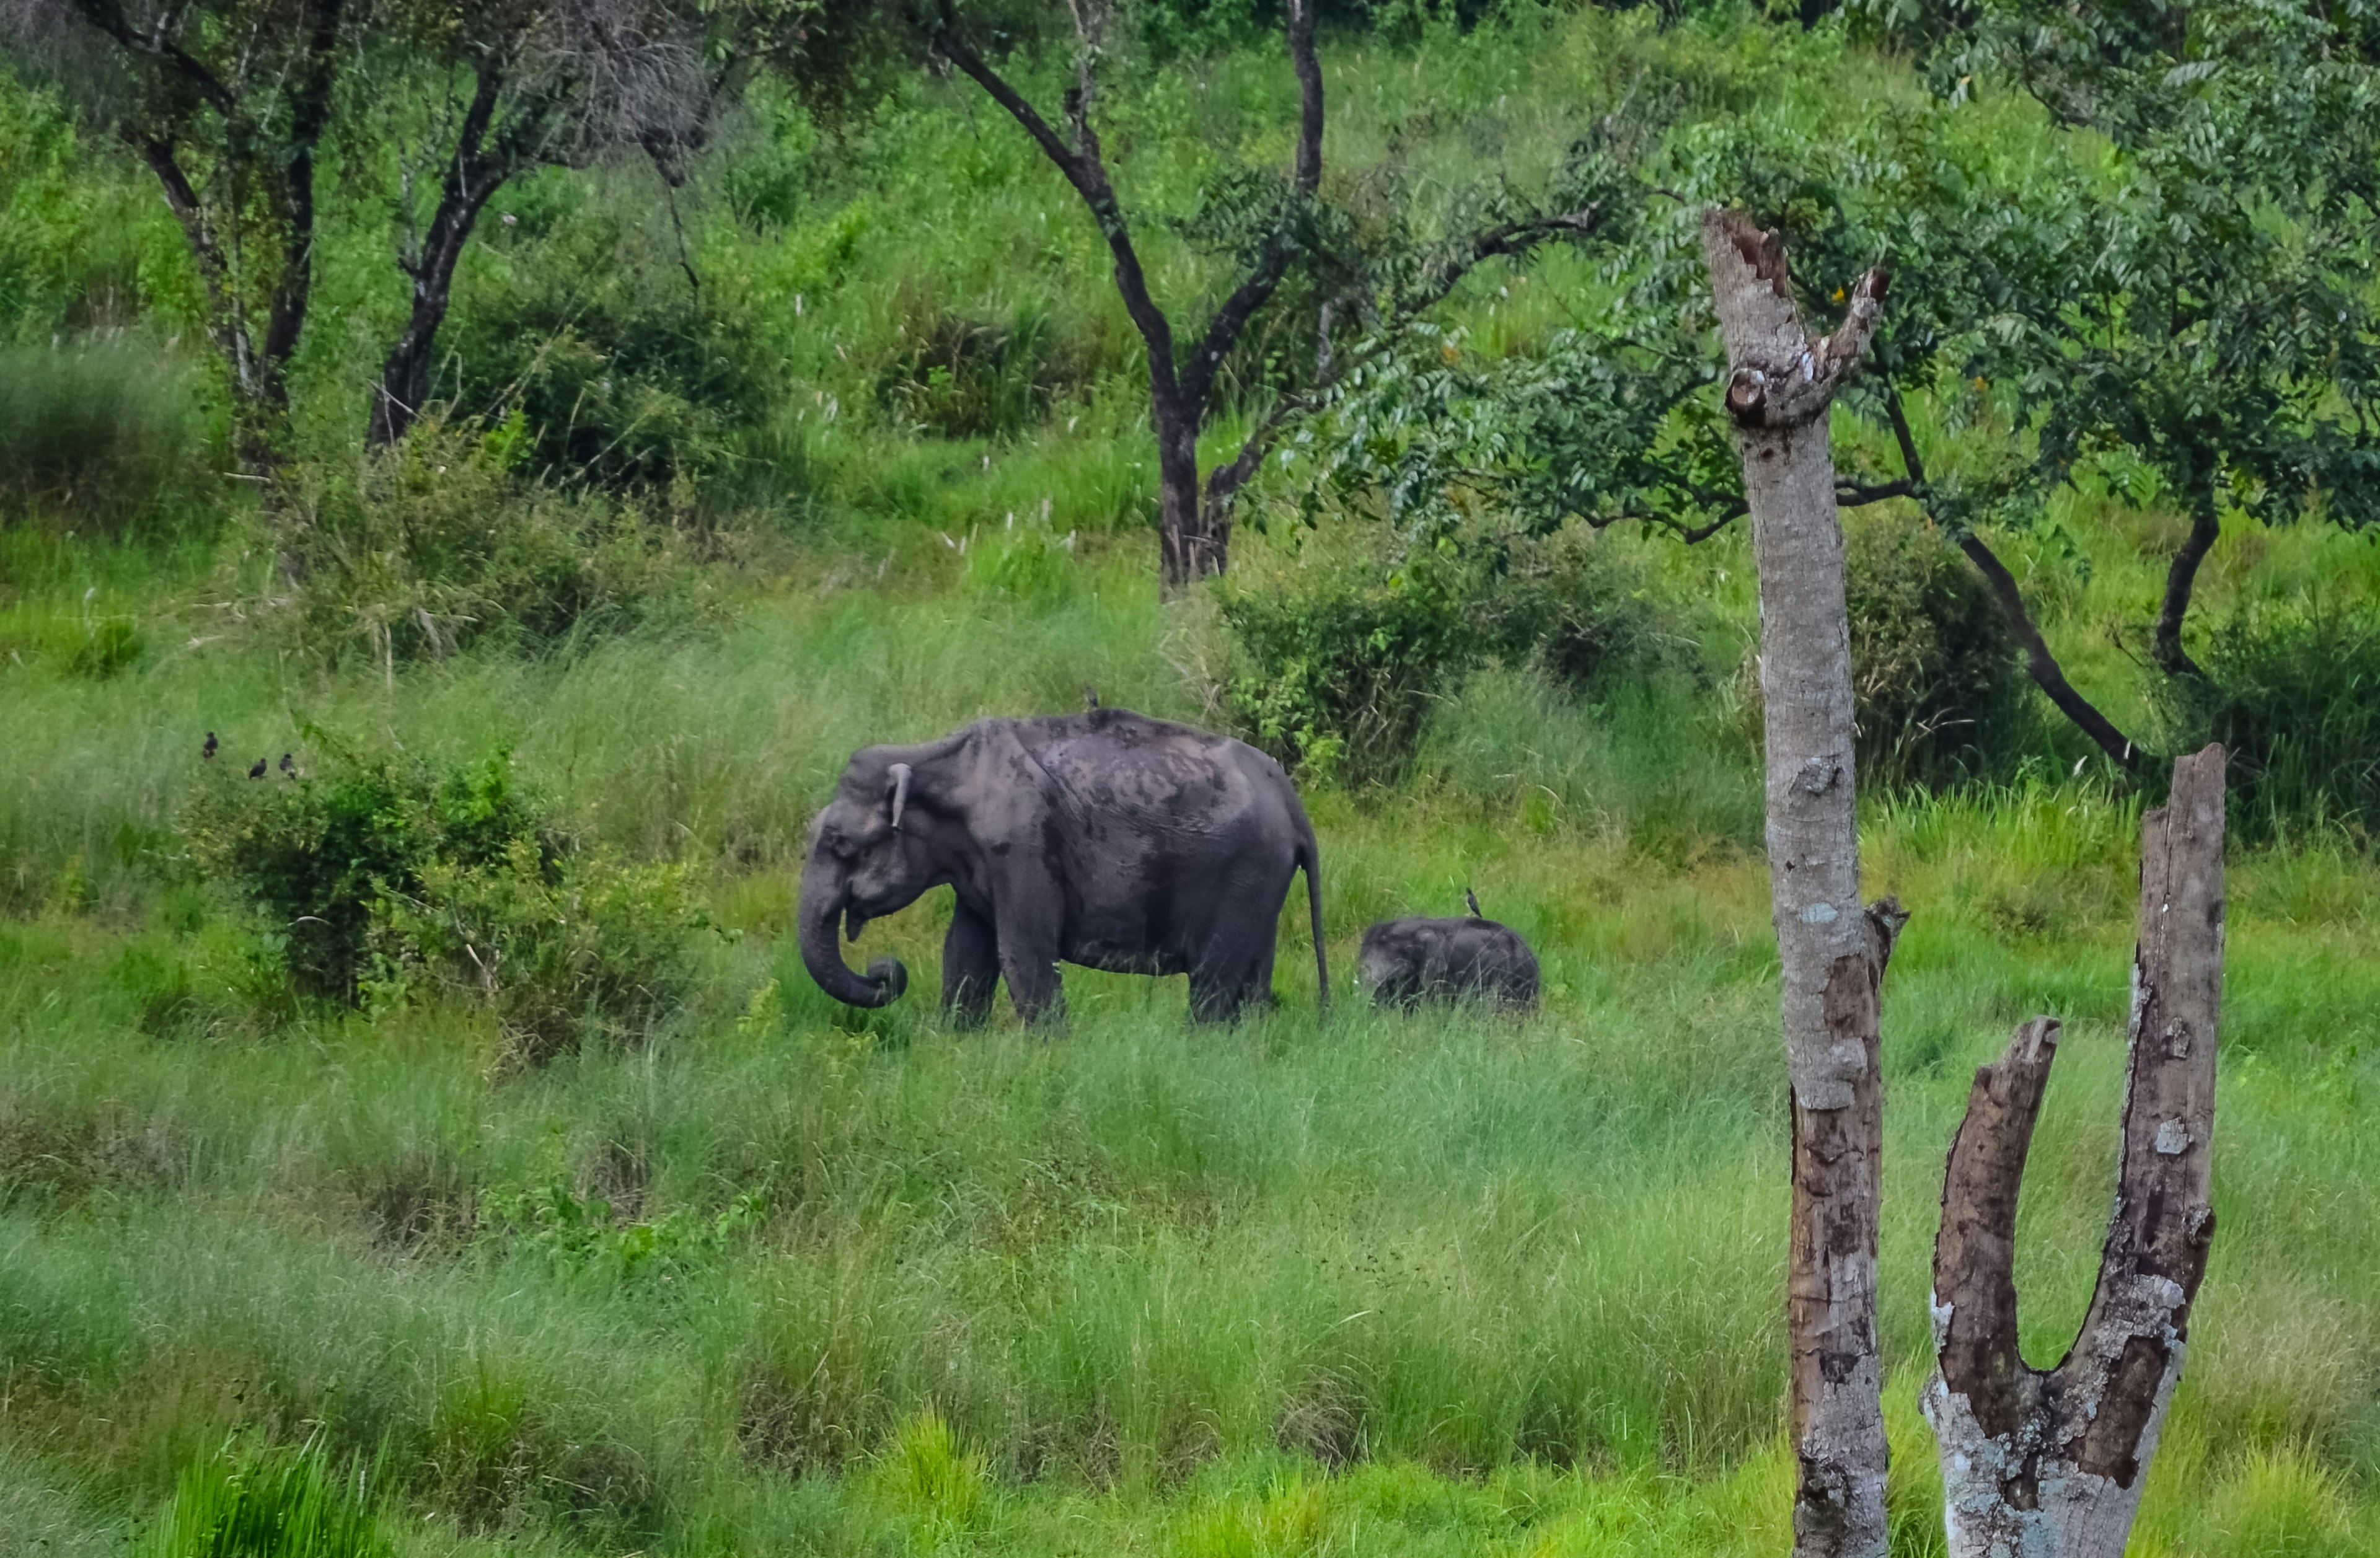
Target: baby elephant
column 1407, row 961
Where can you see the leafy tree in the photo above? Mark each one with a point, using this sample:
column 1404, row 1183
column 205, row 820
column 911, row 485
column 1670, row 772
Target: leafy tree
column 1268, row 232
column 482, row 92
column 2220, row 325
column 227, row 102
column 1364, row 280
column 2193, row 309
column 232, row 102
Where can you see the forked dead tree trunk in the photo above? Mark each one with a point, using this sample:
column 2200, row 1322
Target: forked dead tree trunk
column 1782, row 382
column 2048, row 1463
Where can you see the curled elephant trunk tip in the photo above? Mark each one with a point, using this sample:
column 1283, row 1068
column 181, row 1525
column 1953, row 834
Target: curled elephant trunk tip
column 891, row 975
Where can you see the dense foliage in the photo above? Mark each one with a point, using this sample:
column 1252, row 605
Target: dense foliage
column 381, row 880
column 1346, row 663
column 479, row 1113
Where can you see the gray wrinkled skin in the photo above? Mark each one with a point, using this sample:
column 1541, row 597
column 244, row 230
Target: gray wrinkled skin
column 1407, row 961
column 1105, row 839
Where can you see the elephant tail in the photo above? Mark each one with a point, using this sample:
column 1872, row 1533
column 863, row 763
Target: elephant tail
column 1309, row 860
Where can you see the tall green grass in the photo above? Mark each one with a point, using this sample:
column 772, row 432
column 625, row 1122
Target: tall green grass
column 779, row 1276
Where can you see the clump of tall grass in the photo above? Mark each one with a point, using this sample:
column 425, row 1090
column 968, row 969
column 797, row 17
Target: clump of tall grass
column 106, row 435
column 271, row 1501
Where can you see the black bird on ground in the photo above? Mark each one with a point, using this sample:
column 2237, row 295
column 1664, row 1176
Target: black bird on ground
column 288, row 763
column 1473, row 899
column 1090, row 697
column 258, row 771
column 207, row 751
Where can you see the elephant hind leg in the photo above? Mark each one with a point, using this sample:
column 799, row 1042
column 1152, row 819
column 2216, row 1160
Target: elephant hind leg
column 1217, row 996
column 970, row 967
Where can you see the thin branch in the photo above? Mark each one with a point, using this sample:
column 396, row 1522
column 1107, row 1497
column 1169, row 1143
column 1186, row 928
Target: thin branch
column 1089, row 175
column 2048, row 675
column 1224, row 332
column 158, row 44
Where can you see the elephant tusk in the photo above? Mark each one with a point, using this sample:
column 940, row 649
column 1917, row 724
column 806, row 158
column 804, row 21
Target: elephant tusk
column 900, row 792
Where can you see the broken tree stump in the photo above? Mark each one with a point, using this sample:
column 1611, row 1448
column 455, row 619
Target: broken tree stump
column 2048, row 1463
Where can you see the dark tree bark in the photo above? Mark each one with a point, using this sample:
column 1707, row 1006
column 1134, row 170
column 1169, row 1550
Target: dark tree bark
column 2181, row 579
column 1195, row 536
column 2049, row 1462
column 1832, row 952
column 474, row 172
column 2047, row 674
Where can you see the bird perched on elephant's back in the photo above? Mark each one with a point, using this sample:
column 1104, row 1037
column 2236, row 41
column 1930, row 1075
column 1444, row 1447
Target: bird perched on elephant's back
column 1404, row 962
column 1105, row 839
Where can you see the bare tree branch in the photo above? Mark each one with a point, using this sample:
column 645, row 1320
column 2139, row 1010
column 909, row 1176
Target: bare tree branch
column 2048, row 675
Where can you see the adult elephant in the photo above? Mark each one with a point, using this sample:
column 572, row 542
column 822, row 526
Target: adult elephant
column 1105, row 839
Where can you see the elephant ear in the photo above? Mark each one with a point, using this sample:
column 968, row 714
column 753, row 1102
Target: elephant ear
column 900, row 771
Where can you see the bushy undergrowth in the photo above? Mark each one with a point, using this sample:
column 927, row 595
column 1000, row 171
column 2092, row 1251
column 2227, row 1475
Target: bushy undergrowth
column 383, row 881
column 2293, row 691
column 103, row 435
column 442, row 543
column 1344, row 663
column 579, row 313
column 952, row 376
column 1935, row 678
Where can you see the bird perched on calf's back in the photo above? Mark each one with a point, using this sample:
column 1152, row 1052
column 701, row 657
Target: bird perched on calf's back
column 1404, row 962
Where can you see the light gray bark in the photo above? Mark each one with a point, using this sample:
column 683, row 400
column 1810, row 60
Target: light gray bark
column 2048, row 1463
column 1782, row 382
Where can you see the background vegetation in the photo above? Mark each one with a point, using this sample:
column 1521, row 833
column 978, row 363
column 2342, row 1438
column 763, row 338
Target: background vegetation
column 496, row 1181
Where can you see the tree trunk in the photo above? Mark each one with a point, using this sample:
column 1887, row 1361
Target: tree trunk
column 1187, row 550
column 472, row 176
column 2048, row 1463
column 1781, row 385
column 2181, row 579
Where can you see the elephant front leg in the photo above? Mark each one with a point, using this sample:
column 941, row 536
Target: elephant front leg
column 970, row 967
column 1028, row 958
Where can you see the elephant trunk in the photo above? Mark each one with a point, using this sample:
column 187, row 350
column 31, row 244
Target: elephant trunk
column 821, row 908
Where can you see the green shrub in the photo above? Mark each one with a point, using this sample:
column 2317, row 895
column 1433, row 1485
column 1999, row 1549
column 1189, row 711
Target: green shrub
column 555, row 947
column 576, row 1233
column 433, row 546
column 583, row 319
column 1343, row 667
column 104, row 437
column 956, row 377
column 1580, row 607
column 1939, row 684
column 270, row 1502
column 316, row 852
column 387, row 878
column 2293, row 691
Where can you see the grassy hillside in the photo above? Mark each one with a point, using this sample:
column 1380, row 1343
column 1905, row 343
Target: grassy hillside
column 760, row 1274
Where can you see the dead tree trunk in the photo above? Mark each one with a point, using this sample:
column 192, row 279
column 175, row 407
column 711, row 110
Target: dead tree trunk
column 1780, row 384
column 2048, row 1463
